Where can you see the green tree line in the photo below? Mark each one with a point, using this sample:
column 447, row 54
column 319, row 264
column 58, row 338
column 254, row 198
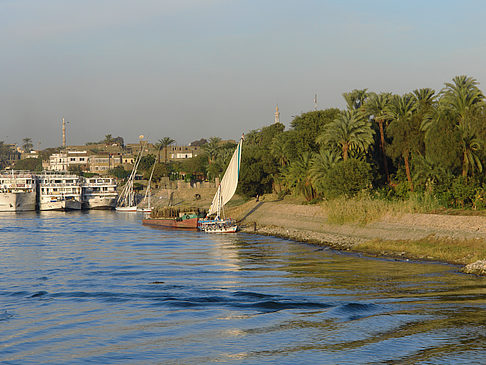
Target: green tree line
column 421, row 142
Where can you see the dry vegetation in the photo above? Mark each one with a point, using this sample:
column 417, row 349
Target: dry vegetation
column 429, row 248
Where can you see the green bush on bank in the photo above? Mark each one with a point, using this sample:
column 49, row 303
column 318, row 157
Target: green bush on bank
column 347, row 178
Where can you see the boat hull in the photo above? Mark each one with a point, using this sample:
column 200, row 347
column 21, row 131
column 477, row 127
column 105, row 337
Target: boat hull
column 100, row 203
column 190, row 223
column 126, row 209
column 218, row 226
column 17, row 202
column 60, row 205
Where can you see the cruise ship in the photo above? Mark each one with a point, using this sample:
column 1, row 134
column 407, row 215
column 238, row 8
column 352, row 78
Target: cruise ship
column 99, row 193
column 59, row 191
column 17, row 191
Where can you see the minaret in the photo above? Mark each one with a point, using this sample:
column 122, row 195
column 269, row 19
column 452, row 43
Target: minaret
column 63, row 133
column 277, row 115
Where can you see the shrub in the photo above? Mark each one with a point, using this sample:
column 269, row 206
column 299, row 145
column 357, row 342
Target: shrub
column 347, row 178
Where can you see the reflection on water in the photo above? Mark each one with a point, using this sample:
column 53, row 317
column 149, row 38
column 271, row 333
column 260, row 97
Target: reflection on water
column 99, row 287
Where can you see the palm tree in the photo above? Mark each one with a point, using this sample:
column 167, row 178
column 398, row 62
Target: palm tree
column 159, row 147
column 463, row 97
column 348, row 132
column 470, row 147
column 27, row 144
column 212, row 148
column 461, row 102
column 320, row 165
column 401, row 112
column 298, row 176
column 427, row 172
column 163, row 144
column 375, row 107
column 277, row 148
column 356, row 98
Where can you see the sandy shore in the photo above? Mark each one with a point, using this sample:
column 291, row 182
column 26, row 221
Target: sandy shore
column 308, row 223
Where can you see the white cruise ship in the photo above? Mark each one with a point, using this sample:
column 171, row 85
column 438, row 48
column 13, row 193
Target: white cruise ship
column 59, row 191
column 17, row 191
column 99, row 193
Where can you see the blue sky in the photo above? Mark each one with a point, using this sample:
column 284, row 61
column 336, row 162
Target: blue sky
column 199, row 68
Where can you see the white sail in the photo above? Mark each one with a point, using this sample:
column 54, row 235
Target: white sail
column 229, row 182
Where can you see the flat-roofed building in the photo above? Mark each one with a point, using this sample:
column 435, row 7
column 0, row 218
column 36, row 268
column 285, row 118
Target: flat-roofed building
column 182, row 152
column 63, row 160
column 103, row 162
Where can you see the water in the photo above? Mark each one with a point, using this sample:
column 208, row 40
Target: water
column 101, row 288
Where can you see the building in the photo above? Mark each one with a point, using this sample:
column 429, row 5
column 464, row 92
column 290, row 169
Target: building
column 103, row 162
column 63, row 160
column 182, row 152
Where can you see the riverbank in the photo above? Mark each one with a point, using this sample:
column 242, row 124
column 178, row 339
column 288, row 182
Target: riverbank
column 453, row 239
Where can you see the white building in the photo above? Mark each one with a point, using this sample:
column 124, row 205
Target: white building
column 62, row 161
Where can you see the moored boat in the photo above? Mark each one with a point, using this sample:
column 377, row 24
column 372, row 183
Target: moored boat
column 17, row 191
column 59, row 191
column 171, row 217
column 99, row 193
column 215, row 222
column 128, row 199
column 184, row 223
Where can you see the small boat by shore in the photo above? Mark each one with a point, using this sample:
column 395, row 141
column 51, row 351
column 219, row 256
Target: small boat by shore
column 148, row 195
column 226, row 190
column 128, row 199
column 184, row 223
column 171, row 217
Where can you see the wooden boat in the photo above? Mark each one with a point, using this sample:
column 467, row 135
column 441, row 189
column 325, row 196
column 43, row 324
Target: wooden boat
column 184, row 223
column 174, row 217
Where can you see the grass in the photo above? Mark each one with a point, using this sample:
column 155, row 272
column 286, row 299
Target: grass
column 430, row 248
column 363, row 209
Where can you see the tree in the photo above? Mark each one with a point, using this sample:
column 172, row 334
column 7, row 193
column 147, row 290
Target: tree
column 108, row 139
column 470, row 147
column 146, row 163
column 348, row 132
column 27, row 144
column 258, row 168
column 405, row 133
column 348, row 177
column 461, row 104
column 376, row 108
column 463, row 100
column 309, row 125
column 163, row 144
column 30, row 164
column 212, row 148
column 277, row 148
column 119, row 172
column 298, row 176
column 356, row 98
column 321, row 165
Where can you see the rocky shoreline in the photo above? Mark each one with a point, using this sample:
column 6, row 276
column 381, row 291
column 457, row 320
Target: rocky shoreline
column 308, row 223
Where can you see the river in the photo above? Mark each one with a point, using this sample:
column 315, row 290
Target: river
column 98, row 287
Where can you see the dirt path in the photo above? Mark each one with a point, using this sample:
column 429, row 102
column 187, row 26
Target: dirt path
column 309, row 223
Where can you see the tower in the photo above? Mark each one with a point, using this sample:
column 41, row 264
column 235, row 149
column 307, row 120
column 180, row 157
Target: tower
column 277, row 115
column 315, row 102
column 63, row 133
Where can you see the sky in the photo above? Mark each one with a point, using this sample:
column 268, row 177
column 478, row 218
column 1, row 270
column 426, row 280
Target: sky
column 191, row 69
